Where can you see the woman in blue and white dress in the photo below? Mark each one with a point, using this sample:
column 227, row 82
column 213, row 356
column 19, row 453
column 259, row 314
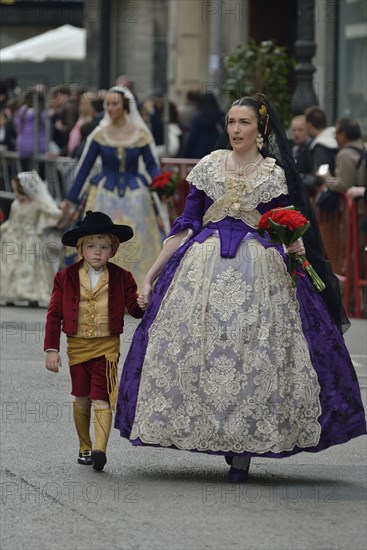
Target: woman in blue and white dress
column 119, row 188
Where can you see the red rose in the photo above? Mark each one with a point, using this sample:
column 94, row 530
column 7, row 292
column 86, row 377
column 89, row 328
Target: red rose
column 264, row 221
column 164, row 184
column 289, row 218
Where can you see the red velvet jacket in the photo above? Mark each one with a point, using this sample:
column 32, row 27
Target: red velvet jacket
column 62, row 313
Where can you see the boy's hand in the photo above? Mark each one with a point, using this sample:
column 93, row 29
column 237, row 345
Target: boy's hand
column 144, row 296
column 53, row 361
column 141, row 302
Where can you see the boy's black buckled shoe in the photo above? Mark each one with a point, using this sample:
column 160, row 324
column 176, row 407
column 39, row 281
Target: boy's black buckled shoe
column 85, row 458
column 98, row 460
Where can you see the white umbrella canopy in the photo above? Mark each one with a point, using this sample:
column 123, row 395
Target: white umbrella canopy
column 64, row 43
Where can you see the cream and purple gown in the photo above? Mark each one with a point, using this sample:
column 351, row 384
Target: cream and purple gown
column 229, row 357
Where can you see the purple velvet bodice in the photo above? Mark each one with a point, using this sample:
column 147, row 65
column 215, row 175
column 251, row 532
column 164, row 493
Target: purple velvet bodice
column 231, row 231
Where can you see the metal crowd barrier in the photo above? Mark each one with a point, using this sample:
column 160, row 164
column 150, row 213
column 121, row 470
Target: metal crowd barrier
column 356, row 260
column 56, row 171
column 59, row 171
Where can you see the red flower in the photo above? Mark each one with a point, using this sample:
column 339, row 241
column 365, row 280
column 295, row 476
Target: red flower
column 264, row 222
column 290, row 218
column 285, row 226
column 164, row 184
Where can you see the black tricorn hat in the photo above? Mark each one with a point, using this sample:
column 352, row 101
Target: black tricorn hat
column 96, row 223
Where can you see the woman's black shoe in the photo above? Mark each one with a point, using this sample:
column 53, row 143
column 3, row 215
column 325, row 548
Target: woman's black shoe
column 98, row 460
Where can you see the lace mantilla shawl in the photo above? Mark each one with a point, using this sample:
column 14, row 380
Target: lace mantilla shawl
column 237, row 195
column 139, row 139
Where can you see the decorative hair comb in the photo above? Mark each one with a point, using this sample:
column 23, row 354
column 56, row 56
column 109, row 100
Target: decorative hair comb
column 261, row 99
column 263, row 111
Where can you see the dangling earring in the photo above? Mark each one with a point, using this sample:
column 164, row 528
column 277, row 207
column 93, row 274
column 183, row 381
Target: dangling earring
column 259, row 142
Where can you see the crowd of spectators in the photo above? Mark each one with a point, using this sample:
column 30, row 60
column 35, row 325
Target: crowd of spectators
column 62, row 117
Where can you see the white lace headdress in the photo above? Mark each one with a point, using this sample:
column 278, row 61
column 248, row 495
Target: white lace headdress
column 134, row 116
column 34, row 187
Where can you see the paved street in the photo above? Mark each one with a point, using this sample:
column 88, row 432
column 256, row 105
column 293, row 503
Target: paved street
column 156, row 498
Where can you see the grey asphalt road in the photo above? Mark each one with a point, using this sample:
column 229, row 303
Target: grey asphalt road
column 157, row 498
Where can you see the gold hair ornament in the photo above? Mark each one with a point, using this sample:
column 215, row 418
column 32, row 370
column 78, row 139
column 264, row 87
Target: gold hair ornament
column 263, row 110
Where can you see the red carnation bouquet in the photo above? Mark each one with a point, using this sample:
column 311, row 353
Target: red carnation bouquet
column 285, row 226
column 164, row 184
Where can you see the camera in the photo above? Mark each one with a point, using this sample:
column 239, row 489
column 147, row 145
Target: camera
column 323, row 170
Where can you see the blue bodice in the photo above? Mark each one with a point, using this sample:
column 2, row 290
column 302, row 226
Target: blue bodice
column 119, row 166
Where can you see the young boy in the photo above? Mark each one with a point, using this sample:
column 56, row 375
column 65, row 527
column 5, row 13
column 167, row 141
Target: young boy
column 88, row 303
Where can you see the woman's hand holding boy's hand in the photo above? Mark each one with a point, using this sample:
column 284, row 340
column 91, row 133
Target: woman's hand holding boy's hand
column 141, row 303
column 144, row 296
column 53, row 361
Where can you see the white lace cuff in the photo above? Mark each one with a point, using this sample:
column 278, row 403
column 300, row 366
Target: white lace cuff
column 185, row 238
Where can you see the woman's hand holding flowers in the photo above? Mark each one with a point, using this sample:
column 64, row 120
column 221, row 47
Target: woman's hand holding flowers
column 286, row 226
column 296, row 248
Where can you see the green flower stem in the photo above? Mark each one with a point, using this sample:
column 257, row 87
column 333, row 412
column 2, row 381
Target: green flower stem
column 292, row 266
column 318, row 283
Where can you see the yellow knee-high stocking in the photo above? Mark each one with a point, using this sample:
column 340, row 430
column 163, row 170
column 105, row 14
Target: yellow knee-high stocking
column 82, row 423
column 102, row 428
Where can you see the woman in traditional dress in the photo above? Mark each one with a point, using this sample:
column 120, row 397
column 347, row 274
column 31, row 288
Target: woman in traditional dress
column 120, row 188
column 230, row 358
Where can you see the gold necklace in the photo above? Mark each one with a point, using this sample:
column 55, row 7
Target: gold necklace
column 237, row 184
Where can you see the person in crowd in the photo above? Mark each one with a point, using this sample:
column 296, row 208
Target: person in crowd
column 33, row 105
column 120, row 188
column 350, row 172
column 89, row 300
column 8, row 133
column 323, row 150
column 324, row 146
column 63, row 115
column 231, row 358
column 3, row 94
column 356, row 192
column 206, row 127
column 125, row 81
column 11, row 107
column 173, row 134
column 27, row 268
column 8, row 91
column 186, row 113
column 188, row 110
column 98, row 106
column 350, row 159
column 87, row 113
column 301, row 153
column 85, row 129
column 152, row 111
